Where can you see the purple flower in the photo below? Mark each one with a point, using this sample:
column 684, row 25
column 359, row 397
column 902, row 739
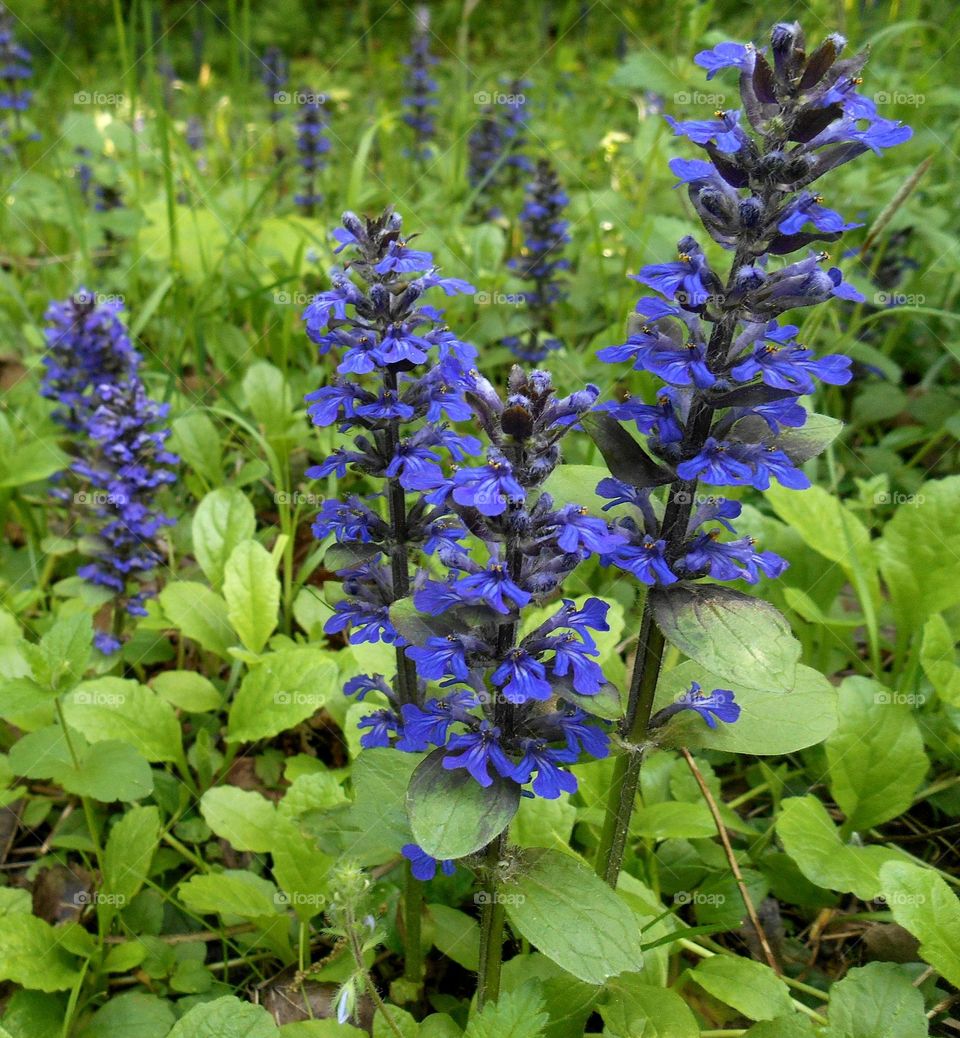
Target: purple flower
column 716, row 463
column 522, row 678
column 727, row 55
column 422, row 865
column 551, row 780
column 489, row 488
column 719, row 705
column 645, row 560
column 572, row 657
column 476, row 751
column 440, row 657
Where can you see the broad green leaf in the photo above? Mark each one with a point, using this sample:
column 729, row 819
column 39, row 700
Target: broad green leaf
column 920, row 552
column 31, row 954
column 811, row 839
column 62, row 654
column 301, row 870
column 325, row 1029
column 19, row 696
column 938, row 657
column 233, row 892
column 645, row 1011
column 627, row 460
column 252, row 590
column 828, row 527
column 878, row 1000
column 800, row 445
column 221, row 521
column 187, row 690
column 922, row 903
column 129, row 853
column 752, row 988
column 377, row 825
column 544, row 823
column 30, row 462
column 730, row 634
column 134, row 1014
column 577, row 485
column 196, row 440
column 770, row 722
column 33, row 1014
column 451, row 814
column 125, row 710
column 199, row 613
column 515, row 1014
column 244, row 818
column 875, row 756
column 319, row 791
column 284, row 689
column 268, row 397
column 567, row 912
column 673, row 820
column 456, row 934
column 227, row 1017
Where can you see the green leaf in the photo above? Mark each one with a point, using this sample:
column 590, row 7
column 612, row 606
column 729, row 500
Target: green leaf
column 30, row 462
column 878, row 1000
column 284, row 689
column 187, row 690
column 752, row 988
column 814, row 843
column 196, row 440
column 378, row 820
column 134, row 1014
column 644, row 1011
column 922, row 903
column 875, row 756
column 226, row 1017
column 242, row 817
column 302, row 871
column 515, row 1014
column 417, row 627
column 252, row 590
column 920, row 553
column 268, row 397
column 125, row 710
column 31, row 954
column 349, row 556
column 19, row 696
column 199, row 613
column 829, row 528
column 938, row 658
column 232, row 892
column 573, row 917
column 627, row 460
column 577, row 485
column 793, row 1026
column 451, row 814
column 129, row 853
column 733, row 635
column 221, row 521
column 800, row 445
column 769, row 723
column 457, row 935
column 63, row 653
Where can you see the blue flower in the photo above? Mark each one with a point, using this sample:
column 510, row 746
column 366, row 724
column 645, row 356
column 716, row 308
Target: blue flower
column 490, row 489
column 476, row 751
column 431, row 723
column 382, row 724
column 719, row 705
column 572, row 657
column 723, row 132
column 716, row 463
column 423, row 866
column 440, row 657
column 582, row 532
column 493, row 586
column 726, row 55
column 551, row 780
column 645, row 560
column 522, row 678
column 683, row 278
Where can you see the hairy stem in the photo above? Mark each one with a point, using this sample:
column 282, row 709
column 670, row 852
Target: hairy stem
column 651, row 642
column 491, row 927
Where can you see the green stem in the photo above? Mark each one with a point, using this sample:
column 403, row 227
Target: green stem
column 412, row 909
column 491, row 928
